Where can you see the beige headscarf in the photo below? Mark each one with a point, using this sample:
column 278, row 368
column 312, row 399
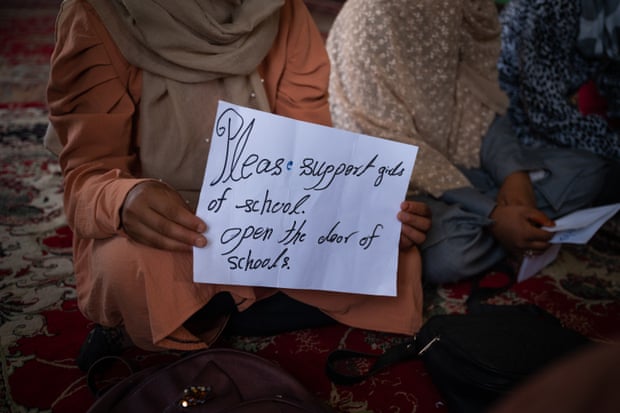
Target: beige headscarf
column 192, row 41
column 422, row 72
column 192, row 53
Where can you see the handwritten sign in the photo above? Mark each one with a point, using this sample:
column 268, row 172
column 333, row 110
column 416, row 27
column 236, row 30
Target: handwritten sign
column 292, row 204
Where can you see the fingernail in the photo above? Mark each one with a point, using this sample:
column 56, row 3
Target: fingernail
column 200, row 242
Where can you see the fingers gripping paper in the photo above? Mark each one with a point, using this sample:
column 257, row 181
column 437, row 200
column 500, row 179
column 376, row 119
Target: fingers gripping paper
column 291, row 204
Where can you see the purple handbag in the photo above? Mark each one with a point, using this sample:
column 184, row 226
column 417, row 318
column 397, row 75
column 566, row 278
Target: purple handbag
column 213, row 380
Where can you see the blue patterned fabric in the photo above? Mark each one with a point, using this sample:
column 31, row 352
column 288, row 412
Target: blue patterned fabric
column 541, row 69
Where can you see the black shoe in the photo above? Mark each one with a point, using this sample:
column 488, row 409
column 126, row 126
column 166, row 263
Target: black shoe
column 100, row 342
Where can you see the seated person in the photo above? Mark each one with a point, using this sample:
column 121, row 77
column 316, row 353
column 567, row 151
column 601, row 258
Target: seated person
column 425, row 72
column 556, row 54
column 132, row 94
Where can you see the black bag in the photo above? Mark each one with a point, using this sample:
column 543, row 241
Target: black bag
column 214, row 380
column 473, row 358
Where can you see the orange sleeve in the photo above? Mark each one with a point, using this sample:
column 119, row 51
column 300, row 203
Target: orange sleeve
column 92, row 109
column 296, row 70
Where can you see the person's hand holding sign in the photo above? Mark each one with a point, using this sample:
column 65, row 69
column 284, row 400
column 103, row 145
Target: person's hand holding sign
column 416, row 220
column 155, row 215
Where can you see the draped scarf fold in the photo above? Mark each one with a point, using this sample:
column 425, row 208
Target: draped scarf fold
column 192, row 40
column 192, row 53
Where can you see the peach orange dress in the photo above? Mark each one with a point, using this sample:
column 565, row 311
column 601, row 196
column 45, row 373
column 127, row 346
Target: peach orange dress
column 94, row 99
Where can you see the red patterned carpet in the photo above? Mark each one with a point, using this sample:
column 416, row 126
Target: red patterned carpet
column 41, row 329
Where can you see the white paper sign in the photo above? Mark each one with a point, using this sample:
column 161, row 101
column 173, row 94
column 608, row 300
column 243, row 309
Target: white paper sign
column 575, row 228
column 292, row 204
